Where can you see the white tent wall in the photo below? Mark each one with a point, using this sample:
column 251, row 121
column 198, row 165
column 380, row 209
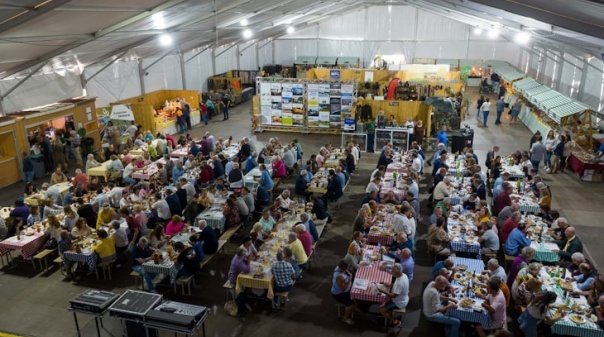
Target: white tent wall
column 286, row 51
column 571, row 76
column 164, row 74
column 265, row 53
column 247, row 57
column 198, row 69
column 225, row 58
column 40, row 90
column 593, row 93
column 118, row 81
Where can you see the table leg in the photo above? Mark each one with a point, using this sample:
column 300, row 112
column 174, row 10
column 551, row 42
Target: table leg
column 98, row 330
column 75, row 318
column 203, row 328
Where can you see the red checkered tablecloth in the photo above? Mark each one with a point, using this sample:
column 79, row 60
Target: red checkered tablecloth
column 384, row 239
column 373, row 274
column 28, row 245
column 181, row 153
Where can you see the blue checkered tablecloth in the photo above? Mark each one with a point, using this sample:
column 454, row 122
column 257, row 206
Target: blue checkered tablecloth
column 85, row 257
column 469, row 315
column 462, row 245
column 530, row 208
column 568, row 328
column 165, row 266
column 214, row 217
column 543, row 254
column 474, row 265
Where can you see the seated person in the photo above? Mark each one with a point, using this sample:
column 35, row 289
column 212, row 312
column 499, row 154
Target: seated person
column 187, row 260
column 105, row 247
column 495, row 305
column 340, row 290
column 284, row 275
column 586, row 278
column 397, row 294
column 433, row 306
column 517, row 240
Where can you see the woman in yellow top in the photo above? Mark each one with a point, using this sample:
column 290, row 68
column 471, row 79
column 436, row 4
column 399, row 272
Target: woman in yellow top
column 546, row 198
column 296, row 246
column 105, row 247
column 105, row 216
column 483, row 215
column 81, row 229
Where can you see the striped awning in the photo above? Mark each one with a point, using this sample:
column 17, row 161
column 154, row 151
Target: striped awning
column 306, row 60
column 510, row 73
column 529, row 93
column 555, row 102
column 538, row 99
column 525, row 84
column 565, row 110
column 326, row 60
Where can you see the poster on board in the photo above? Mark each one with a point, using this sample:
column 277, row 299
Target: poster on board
column 265, row 103
column 335, row 105
column 324, row 105
column 276, row 103
column 286, row 104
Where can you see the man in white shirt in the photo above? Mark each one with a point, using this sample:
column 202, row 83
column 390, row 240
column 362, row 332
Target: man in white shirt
column 115, row 194
column 190, row 163
column 434, row 310
column 399, row 294
column 381, row 170
column 187, row 186
column 401, row 221
column 285, row 200
column 443, row 189
column 128, row 170
column 162, row 208
column 416, row 165
column 321, row 157
column 210, row 139
column 412, row 187
column 52, row 192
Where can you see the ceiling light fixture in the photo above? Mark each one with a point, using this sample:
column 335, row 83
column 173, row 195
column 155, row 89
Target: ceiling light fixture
column 247, row 34
column 477, row 30
column 493, row 33
column 522, row 37
column 290, row 30
column 165, row 39
column 243, row 22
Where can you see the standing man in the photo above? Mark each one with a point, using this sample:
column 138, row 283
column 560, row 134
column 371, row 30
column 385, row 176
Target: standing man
column 538, row 151
column 486, row 109
column 225, row 102
column 500, row 106
column 495, row 82
column 28, row 168
column 186, row 109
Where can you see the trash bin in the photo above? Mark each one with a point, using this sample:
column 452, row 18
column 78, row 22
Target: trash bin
column 461, row 140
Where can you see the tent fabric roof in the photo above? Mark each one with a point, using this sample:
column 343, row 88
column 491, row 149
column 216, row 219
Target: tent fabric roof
column 555, row 102
column 66, row 33
column 529, row 93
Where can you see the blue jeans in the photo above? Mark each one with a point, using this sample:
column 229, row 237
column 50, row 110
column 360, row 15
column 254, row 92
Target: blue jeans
column 535, row 164
column 548, row 159
column 205, row 119
column 29, row 176
column 447, row 320
column 129, row 180
column 498, row 120
column 485, row 115
column 225, row 112
column 495, row 86
column 148, row 277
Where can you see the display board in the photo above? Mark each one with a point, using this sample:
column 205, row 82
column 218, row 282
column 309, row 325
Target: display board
column 305, row 103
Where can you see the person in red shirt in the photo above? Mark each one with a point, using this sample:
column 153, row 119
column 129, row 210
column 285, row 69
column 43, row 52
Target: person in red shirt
column 304, row 237
column 80, row 178
column 508, row 226
column 503, row 199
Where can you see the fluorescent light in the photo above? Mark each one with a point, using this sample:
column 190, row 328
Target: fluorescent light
column 493, row 33
column 165, row 39
column 158, row 20
column 522, row 37
column 247, row 33
column 477, row 30
column 243, row 22
column 290, row 30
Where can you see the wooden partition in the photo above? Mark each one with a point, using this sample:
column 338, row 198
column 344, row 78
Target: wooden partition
column 378, row 75
column 9, row 155
column 158, row 98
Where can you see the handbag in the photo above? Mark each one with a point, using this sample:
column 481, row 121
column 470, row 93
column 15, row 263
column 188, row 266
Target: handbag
column 51, row 244
column 231, row 308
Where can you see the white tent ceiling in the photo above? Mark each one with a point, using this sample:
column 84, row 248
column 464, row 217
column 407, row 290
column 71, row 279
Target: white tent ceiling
column 79, row 33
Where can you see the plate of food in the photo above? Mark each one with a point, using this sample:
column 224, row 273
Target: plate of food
column 462, row 267
column 562, row 307
column 575, row 318
column 457, row 277
column 566, row 286
column 471, row 239
column 455, row 228
column 466, row 303
column 555, row 313
column 480, row 292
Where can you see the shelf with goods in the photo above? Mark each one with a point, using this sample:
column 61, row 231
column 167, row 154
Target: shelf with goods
column 398, row 136
column 358, row 137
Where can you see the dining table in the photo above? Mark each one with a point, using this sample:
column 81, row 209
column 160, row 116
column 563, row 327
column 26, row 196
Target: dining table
column 260, row 276
column 469, row 299
column 166, row 265
column 370, row 277
column 99, row 171
column 463, row 232
column 578, row 321
column 27, row 244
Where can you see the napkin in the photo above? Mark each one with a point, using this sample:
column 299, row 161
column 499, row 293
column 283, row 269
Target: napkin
column 361, row 284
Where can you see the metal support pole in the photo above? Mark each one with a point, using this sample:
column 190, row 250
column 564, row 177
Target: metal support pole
column 105, row 67
column 581, row 89
column 273, row 52
column 141, row 75
column 213, row 61
column 156, row 61
column 224, row 51
column 238, row 57
column 559, row 74
column 182, row 71
column 257, row 57
column 197, row 54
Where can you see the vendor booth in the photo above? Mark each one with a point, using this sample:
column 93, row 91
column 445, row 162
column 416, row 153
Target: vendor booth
column 156, row 111
column 9, row 156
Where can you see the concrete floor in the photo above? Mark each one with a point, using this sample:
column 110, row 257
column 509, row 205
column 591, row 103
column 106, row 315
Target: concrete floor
column 35, row 303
